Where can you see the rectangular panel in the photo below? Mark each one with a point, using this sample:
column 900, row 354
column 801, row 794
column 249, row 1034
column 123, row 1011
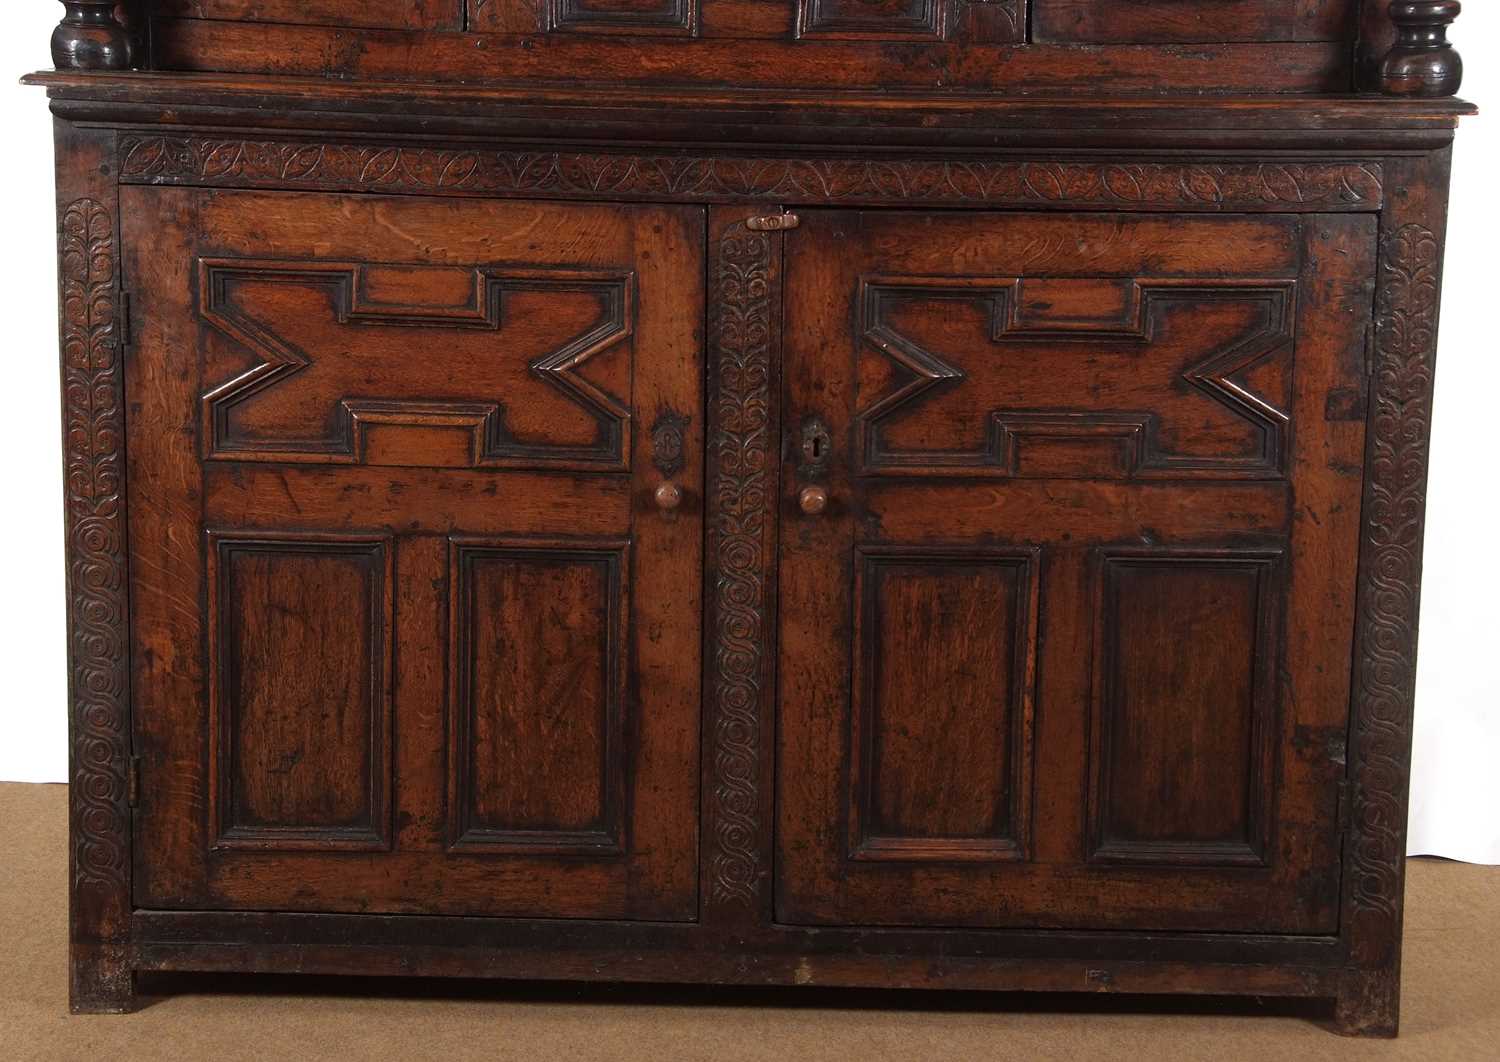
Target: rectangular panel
column 909, row 20
column 300, row 630
column 673, row 18
column 945, row 659
column 377, row 14
column 1191, row 21
column 536, row 678
column 1186, row 655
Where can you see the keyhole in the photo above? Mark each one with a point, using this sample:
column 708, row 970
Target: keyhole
column 816, row 445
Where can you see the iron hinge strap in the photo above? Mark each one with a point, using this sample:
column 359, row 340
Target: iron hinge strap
column 133, row 782
column 126, row 329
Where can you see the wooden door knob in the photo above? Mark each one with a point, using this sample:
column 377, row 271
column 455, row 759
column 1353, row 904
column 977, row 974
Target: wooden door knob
column 668, row 497
column 813, row 500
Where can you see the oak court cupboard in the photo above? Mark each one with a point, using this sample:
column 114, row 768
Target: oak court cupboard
column 917, row 493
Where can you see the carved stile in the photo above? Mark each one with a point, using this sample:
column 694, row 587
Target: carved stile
column 740, row 457
column 1396, row 487
column 97, row 606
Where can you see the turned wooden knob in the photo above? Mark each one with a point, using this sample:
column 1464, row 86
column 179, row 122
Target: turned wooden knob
column 668, row 497
column 813, row 500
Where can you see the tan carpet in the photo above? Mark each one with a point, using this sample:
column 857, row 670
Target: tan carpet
column 1452, row 1008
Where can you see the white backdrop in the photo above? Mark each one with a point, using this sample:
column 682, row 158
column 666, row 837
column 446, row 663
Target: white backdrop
column 1455, row 785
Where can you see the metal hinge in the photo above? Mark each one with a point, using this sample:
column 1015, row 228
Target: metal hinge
column 1345, row 809
column 773, row 223
column 126, row 329
column 133, row 782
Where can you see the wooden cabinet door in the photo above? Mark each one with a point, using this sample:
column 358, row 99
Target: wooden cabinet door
column 1069, row 642
column 412, row 632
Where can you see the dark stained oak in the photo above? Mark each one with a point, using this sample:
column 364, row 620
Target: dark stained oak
column 919, row 493
column 1188, row 21
column 301, row 635
column 484, row 694
column 400, row 14
column 1010, row 385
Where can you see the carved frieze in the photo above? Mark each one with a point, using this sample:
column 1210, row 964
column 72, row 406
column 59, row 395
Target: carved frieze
column 238, row 162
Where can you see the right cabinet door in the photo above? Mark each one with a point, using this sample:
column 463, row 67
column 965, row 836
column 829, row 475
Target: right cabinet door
column 1068, row 559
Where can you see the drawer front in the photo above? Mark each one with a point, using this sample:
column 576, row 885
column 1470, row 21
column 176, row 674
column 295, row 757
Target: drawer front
column 412, row 631
column 1068, row 643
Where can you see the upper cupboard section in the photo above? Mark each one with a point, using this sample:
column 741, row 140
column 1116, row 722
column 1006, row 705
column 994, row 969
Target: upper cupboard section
column 1057, row 46
column 999, row 21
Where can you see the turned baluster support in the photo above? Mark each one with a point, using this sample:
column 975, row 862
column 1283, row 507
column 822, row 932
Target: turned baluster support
column 1422, row 62
column 90, row 37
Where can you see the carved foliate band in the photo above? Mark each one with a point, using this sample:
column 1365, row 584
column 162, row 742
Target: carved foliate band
column 741, row 491
column 366, row 167
column 1395, row 492
column 93, row 411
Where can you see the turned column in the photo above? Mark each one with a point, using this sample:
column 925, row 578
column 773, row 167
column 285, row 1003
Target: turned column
column 90, row 37
column 1422, row 62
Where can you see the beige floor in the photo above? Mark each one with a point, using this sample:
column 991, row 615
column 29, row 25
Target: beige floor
column 1452, row 1008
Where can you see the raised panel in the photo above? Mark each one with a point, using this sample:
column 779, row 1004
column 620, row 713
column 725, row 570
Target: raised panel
column 882, row 19
column 1074, row 377
column 299, row 649
column 537, row 684
column 416, row 365
column 643, row 17
column 943, row 700
column 394, row 14
column 1184, row 708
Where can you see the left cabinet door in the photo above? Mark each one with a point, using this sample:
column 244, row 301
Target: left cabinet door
column 415, row 553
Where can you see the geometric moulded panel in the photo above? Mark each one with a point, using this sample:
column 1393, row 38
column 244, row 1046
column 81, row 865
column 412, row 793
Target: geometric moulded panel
column 299, row 640
column 537, row 696
column 945, row 661
column 414, row 365
column 1074, row 377
column 1184, row 709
